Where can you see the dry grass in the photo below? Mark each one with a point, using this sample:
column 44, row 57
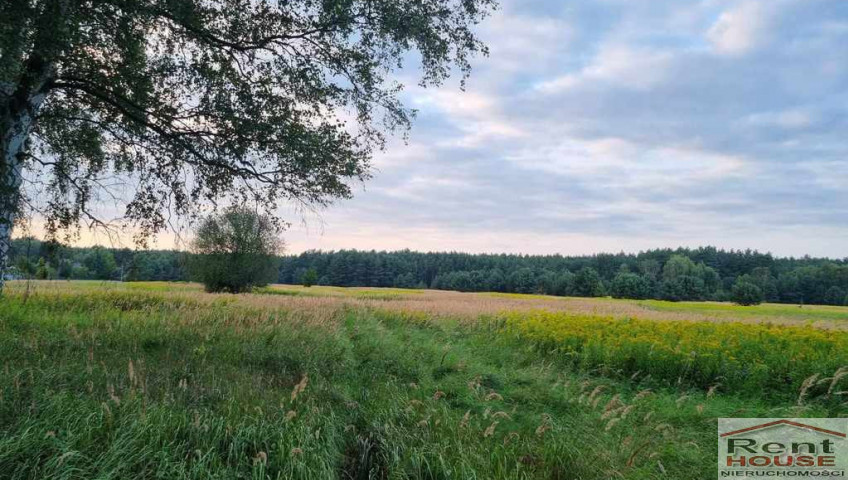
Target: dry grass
column 321, row 304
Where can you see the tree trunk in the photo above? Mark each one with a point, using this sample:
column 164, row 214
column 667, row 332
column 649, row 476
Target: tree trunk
column 17, row 116
column 13, row 136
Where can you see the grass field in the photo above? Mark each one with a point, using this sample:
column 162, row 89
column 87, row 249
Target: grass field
column 155, row 380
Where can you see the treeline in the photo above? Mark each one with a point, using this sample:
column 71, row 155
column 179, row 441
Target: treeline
column 31, row 258
column 705, row 273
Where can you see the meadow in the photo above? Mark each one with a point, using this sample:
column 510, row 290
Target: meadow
column 160, row 380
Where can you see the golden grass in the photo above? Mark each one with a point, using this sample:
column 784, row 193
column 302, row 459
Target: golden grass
column 325, row 302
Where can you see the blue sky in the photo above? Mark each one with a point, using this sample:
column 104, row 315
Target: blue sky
column 612, row 125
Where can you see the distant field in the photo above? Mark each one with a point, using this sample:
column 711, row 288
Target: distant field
column 158, row 380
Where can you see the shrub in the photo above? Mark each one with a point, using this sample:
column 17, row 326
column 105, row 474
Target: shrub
column 587, row 283
column 309, row 277
column 630, row 285
column 42, row 273
column 746, row 293
column 235, row 251
column 684, row 287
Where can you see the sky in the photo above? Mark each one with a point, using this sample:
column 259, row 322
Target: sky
column 620, row 125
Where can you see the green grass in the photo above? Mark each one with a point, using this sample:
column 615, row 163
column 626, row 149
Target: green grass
column 139, row 384
column 776, row 310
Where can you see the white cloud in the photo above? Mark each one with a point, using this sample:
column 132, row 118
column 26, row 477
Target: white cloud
column 478, row 116
column 622, row 164
column 519, row 42
column 618, row 65
column 743, row 28
column 788, row 119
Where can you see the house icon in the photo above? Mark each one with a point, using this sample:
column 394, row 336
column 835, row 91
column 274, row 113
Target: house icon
column 784, row 422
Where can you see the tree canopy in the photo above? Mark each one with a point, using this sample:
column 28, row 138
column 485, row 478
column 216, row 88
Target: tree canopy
column 746, row 293
column 235, row 251
column 193, row 103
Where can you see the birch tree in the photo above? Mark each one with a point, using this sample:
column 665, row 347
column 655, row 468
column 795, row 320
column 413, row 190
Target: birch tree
column 200, row 102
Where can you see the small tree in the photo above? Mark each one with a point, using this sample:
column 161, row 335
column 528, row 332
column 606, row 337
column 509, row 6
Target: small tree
column 101, row 263
column 235, row 251
column 587, row 283
column 746, row 294
column 630, row 285
column 309, row 277
column 41, row 272
column 682, row 288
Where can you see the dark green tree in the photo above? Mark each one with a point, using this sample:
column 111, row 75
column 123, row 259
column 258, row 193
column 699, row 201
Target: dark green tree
column 630, row 285
column 587, row 283
column 678, row 266
column 564, row 283
column 235, row 251
column 495, row 282
column 746, row 293
column 834, row 296
column 64, row 269
column 196, row 102
column 682, row 288
column 41, row 271
column 522, row 281
column 309, row 278
column 100, row 263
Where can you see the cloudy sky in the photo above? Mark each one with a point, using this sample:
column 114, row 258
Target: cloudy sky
column 612, row 125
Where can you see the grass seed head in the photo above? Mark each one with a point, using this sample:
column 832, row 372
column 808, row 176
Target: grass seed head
column 712, row 390
column 465, row 418
column 509, row 438
column 643, row 394
column 809, row 382
column 839, row 375
column 300, row 387
column 613, row 403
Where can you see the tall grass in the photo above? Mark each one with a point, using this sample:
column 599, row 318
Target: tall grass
column 151, row 384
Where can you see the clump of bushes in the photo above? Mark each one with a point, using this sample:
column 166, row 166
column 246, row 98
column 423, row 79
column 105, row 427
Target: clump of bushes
column 746, row 293
column 235, row 251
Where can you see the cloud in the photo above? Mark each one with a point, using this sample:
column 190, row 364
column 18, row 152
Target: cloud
column 625, row 125
column 512, row 34
column 479, row 118
column 787, row 119
column 618, row 66
column 742, row 28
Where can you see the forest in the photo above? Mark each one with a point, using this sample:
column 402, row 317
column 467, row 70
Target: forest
column 682, row 274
